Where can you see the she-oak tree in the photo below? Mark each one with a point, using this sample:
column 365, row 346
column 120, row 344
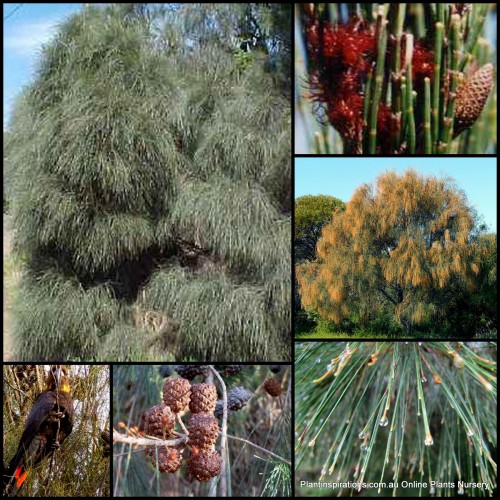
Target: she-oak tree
column 397, row 247
column 151, row 178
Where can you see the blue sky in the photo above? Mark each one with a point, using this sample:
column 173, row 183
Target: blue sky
column 340, row 176
column 24, row 32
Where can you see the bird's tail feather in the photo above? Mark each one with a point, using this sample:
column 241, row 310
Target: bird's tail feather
column 14, row 481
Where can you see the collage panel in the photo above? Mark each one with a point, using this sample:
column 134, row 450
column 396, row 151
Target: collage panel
column 202, row 430
column 395, row 79
column 56, row 430
column 149, row 171
column 392, row 248
column 400, row 419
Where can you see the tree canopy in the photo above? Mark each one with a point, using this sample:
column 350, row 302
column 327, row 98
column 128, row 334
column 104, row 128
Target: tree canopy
column 152, row 192
column 399, row 245
column 311, row 214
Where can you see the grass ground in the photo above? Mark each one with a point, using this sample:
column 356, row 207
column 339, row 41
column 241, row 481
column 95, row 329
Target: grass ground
column 325, row 330
column 321, row 334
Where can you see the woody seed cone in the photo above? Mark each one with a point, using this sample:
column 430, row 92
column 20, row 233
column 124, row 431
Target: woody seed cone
column 203, row 398
column 204, row 465
column 203, row 430
column 471, row 98
column 169, row 459
column 273, row 387
column 158, row 421
column 176, row 394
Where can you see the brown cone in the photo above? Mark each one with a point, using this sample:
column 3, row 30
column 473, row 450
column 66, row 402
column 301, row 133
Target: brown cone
column 203, row 398
column 169, row 459
column 273, row 387
column 176, row 394
column 233, row 369
column 471, row 98
column 204, row 464
column 158, row 421
column 203, row 430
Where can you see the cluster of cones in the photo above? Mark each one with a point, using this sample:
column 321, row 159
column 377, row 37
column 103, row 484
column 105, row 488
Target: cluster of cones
column 159, row 421
column 179, row 395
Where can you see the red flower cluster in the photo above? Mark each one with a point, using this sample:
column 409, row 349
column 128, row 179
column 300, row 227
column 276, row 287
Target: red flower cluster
column 422, row 63
column 341, row 57
column 343, row 44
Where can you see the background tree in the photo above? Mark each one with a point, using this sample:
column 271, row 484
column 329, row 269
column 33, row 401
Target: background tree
column 259, row 418
column 311, row 214
column 152, row 193
column 396, row 248
column 79, row 468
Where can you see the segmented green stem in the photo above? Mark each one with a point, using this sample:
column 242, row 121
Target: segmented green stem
column 317, row 143
column 418, row 371
column 418, row 12
column 410, row 117
column 396, row 98
column 366, row 109
column 379, row 77
column 367, row 9
column 427, row 117
column 447, row 129
column 480, row 11
column 403, row 114
column 436, row 92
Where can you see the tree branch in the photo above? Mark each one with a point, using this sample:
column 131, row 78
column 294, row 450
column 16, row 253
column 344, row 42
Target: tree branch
column 223, row 440
column 134, row 399
column 181, row 423
column 120, row 438
column 387, row 296
column 261, row 449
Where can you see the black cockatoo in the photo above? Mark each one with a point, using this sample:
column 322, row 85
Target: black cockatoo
column 106, row 440
column 49, row 423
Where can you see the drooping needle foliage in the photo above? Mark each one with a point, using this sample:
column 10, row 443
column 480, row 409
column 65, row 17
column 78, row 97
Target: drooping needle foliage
column 389, row 412
column 151, row 174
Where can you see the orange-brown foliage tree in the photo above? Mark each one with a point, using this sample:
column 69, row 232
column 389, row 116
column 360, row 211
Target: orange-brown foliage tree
column 396, row 248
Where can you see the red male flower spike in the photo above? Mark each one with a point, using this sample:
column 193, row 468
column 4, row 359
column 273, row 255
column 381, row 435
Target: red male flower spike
column 422, row 63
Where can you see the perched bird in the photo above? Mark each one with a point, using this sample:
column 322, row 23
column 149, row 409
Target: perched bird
column 106, row 440
column 49, row 423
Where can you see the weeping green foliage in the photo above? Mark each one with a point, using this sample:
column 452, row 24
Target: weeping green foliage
column 242, row 229
column 71, row 318
column 131, row 343
column 234, row 316
column 125, row 144
column 87, row 181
